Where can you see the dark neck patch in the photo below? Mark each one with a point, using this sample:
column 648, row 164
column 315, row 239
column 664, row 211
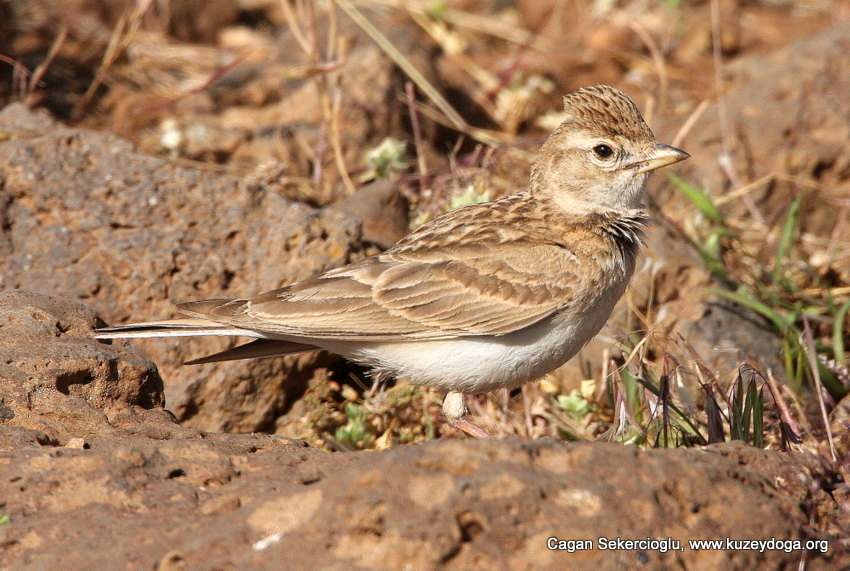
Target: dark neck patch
column 626, row 231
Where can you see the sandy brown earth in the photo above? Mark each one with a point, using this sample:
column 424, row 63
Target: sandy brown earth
column 222, row 152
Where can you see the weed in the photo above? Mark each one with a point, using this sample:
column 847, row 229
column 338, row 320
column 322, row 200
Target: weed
column 773, row 288
column 778, row 284
column 355, row 433
column 385, row 159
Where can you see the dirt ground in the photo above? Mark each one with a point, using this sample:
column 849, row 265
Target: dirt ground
column 158, row 152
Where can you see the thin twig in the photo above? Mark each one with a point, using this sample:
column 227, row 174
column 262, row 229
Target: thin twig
column 808, row 344
column 657, row 59
column 319, row 154
column 485, row 136
column 778, row 398
column 838, row 230
column 722, row 114
column 123, row 32
column 526, row 409
column 333, row 52
column 485, row 24
column 328, row 88
column 39, row 72
column 414, row 74
column 333, row 47
column 295, row 27
column 689, row 123
column 725, row 159
column 744, row 190
column 20, row 76
column 336, row 144
column 417, row 137
column 833, row 291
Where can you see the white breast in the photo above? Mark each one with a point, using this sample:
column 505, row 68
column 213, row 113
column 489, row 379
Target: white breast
column 481, row 364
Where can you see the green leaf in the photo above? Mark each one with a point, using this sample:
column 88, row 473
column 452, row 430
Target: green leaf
column 631, row 388
column 758, row 418
column 355, row 432
column 838, row 334
column 698, row 198
column 779, row 321
column 786, row 238
column 574, row 404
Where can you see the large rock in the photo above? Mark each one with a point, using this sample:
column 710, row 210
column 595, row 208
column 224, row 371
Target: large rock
column 83, row 216
column 60, row 384
column 262, row 502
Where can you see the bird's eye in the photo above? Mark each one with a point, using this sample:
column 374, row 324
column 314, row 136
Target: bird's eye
column 603, row 151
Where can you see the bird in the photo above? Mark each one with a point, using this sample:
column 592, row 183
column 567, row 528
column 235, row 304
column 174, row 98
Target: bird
column 486, row 296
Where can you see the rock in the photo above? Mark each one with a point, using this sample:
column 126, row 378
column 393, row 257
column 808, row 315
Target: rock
column 85, row 217
column 61, row 384
column 251, row 502
column 12, row 437
column 381, row 209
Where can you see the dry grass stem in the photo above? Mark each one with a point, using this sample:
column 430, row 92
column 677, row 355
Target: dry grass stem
column 336, row 143
column 122, row 34
column 808, row 343
column 295, row 27
column 838, row 230
column 399, row 58
column 779, row 399
column 657, row 59
column 417, row 137
column 745, row 190
column 42, row 68
column 20, row 76
column 482, row 23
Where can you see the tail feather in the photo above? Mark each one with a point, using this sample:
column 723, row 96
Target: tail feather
column 255, row 350
column 262, row 346
column 172, row 328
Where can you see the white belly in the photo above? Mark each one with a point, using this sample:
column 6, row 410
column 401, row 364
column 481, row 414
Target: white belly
column 481, row 364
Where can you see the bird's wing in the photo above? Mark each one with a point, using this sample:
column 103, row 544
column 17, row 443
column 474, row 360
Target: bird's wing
column 427, row 293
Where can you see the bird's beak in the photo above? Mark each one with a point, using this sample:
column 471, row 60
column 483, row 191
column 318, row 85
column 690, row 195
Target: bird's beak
column 661, row 156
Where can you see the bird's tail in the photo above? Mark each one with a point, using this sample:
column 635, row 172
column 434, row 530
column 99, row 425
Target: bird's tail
column 193, row 327
column 187, row 327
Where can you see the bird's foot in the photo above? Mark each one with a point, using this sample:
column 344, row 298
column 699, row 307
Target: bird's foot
column 470, row 428
column 454, row 407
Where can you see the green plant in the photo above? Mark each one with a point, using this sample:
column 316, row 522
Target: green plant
column 355, row 432
column 384, row 159
column 574, row 404
column 774, row 288
column 747, row 409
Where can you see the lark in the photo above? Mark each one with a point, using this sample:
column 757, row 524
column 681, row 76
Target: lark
column 487, row 296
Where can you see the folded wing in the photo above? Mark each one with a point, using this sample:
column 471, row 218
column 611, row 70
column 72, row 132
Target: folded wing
column 428, row 293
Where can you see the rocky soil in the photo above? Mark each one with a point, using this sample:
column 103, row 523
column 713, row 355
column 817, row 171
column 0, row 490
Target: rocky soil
column 218, row 155
column 95, row 473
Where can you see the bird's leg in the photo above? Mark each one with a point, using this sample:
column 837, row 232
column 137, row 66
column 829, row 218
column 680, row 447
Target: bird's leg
column 454, row 407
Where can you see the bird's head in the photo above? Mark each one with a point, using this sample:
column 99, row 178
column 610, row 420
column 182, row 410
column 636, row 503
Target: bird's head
column 600, row 157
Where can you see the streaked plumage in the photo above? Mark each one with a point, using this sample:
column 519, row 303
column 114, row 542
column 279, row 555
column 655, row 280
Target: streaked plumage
column 486, row 296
